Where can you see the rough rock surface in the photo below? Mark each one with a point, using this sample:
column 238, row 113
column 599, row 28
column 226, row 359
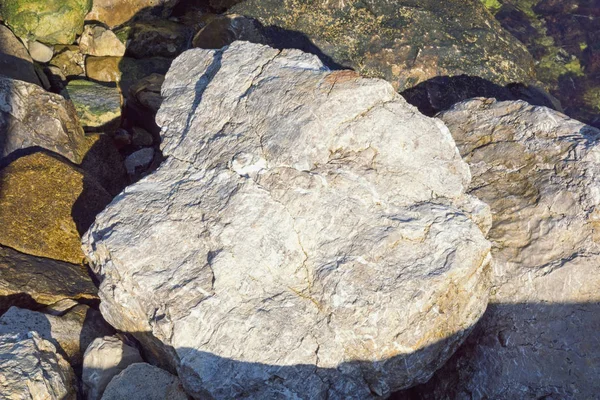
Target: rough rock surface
column 117, row 12
column 308, row 235
column 155, row 38
column 49, row 21
column 105, row 358
column 27, row 281
column 45, row 203
column 540, row 173
column 30, row 368
column 98, row 105
column 142, row 381
column 31, row 116
column 71, row 333
column 15, row 61
column 96, row 40
column 404, row 41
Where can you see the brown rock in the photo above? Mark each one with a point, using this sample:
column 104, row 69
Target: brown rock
column 28, row 281
column 45, row 204
column 15, row 61
column 116, row 12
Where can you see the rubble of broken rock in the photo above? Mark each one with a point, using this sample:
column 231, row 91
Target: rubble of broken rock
column 299, row 199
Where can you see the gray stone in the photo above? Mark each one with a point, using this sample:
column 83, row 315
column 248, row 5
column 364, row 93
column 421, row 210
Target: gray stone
column 308, row 236
column 105, row 358
column 98, row 105
column 30, row 368
column 15, row 61
column 30, row 116
column 40, row 52
column 143, row 381
column 136, row 163
column 141, row 137
column 70, row 333
column 540, row 173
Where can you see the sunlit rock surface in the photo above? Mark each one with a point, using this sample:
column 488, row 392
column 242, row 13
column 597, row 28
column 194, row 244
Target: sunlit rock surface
column 307, row 237
column 540, row 173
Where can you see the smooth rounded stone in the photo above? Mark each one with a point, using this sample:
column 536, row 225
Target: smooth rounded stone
column 96, row 40
column 44, row 205
column 70, row 333
column 114, row 13
column 225, row 29
column 139, row 161
column 125, row 71
column 33, row 117
column 146, row 92
column 30, row 368
column 105, row 358
column 155, row 38
column 141, row 137
column 540, row 173
column 98, row 105
column 402, row 41
column 40, row 52
column 308, row 235
column 48, row 21
column 27, row 281
column 15, row 61
column 142, row 381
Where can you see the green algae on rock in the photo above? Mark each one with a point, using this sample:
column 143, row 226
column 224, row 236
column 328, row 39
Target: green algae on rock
column 98, row 106
column 48, row 21
column 405, row 42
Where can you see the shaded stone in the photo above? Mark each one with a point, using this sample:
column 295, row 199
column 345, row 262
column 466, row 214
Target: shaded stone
column 138, row 162
column 27, row 281
column 307, row 236
column 105, row 358
column 15, row 61
column 44, row 204
column 105, row 163
column 71, row 333
column 143, row 381
column 404, row 42
column 225, row 29
column 141, row 137
column 30, row 368
column 146, row 92
column 48, row 21
column 117, row 12
column 69, row 60
column 540, row 173
column 40, row 52
column 96, row 40
column 155, row 38
column 32, row 117
column 98, row 105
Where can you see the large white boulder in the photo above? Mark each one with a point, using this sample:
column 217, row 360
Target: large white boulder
column 307, row 237
column 540, row 173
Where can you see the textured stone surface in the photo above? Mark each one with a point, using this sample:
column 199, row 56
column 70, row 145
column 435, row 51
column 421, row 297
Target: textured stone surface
column 105, row 358
column 96, row 40
column 139, row 161
column 307, row 236
column 15, row 61
column 26, row 281
column 540, row 173
column 69, row 61
column 30, row 116
column 70, row 333
column 98, row 105
column 155, row 38
column 44, row 205
column 117, row 12
column 30, row 368
column 404, row 41
column 143, row 381
column 49, row 21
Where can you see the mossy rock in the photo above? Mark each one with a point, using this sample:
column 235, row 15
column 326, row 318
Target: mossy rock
column 45, row 205
column 48, row 21
column 98, row 105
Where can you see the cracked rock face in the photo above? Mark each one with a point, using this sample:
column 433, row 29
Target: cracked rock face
column 540, row 173
column 307, row 237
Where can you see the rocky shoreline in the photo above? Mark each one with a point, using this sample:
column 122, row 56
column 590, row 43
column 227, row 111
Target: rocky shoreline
column 296, row 199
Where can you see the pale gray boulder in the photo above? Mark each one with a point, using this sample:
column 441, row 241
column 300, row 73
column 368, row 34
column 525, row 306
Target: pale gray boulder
column 30, row 368
column 308, row 236
column 142, row 381
column 105, row 358
column 540, row 173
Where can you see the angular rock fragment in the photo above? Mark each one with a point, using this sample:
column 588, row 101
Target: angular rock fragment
column 142, row 381
column 540, row 173
column 28, row 281
column 308, row 236
column 105, row 358
column 96, row 40
column 15, row 61
column 117, row 12
column 44, row 205
column 98, row 105
column 30, row 368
